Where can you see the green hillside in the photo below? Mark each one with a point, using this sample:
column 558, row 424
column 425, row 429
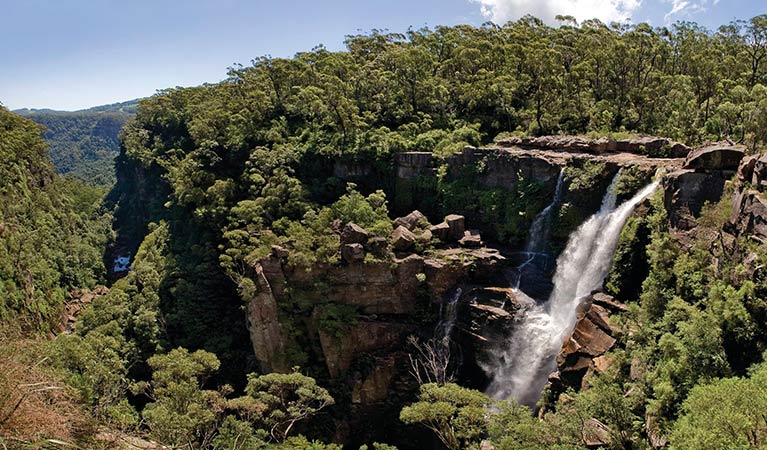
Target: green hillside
column 83, row 144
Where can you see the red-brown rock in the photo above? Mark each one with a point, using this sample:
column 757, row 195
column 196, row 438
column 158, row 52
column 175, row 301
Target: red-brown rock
column 402, row 239
column 456, row 225
column 412, row 221
column 354, row 234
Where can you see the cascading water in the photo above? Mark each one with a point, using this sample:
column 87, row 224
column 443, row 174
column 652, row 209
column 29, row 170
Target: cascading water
column 520, row 368
column 448, row 312
column 540, row 229
column 541, row 226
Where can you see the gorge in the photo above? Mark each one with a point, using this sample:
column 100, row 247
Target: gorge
column 493, row 237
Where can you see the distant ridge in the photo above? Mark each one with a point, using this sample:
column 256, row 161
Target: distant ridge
column 128, row 107
column 83, row 144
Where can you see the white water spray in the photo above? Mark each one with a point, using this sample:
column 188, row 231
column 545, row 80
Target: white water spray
column 520, row 369
column 541, row 226
column 540, row 229
column 448, row 313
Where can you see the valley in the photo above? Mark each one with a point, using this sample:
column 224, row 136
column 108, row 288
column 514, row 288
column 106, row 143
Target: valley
column 444, row 239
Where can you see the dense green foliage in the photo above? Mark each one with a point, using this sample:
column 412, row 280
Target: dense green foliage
column 52, row 230
column 455, row 414
column 461, row 418
column 729, row 413
column 214, row 178
column 83, row 144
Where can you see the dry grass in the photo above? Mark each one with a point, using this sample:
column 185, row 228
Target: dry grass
column 36, row 408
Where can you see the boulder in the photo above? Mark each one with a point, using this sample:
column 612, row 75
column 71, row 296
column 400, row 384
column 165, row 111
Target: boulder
column 715, row 157
column 759, row 176
column 456, row 225
column 471, row 239
column 486, row 445
column 412, row 220
column 746, row 168
column 602, row 363
column 354, row 234
column 402, row 239
column 596, row 434
column 336, row 226
column 353, row 253
column 441, row 231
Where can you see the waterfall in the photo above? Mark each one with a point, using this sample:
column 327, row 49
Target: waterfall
column 541, row 226
column 520, row 368
column 448, row 313
column 538, row 236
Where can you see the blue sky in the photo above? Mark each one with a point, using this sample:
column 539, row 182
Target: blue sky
column 73, row 54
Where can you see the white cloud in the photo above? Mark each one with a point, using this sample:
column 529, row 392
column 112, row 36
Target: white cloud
column 500, row 11
column 681, row 9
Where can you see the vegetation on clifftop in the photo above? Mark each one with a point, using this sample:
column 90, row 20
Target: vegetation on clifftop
column 214, row 178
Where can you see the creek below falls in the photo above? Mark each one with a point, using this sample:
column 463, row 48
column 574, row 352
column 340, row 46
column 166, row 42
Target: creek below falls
column 516, row 364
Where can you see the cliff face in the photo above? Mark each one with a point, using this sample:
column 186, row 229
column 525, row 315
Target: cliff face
column 350, row 322
column 502, row 188
column 693, row 179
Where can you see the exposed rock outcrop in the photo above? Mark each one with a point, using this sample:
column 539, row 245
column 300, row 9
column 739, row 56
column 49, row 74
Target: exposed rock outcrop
column 411, row 164
column 374, row 387
column 402, row 239
column 490, row 312
column 365, row 337
column 471, row 239
column 759, row 173
column 355, row 317
column 686, row 191
column 412, row 220
column 456, row 226
column 715, row 157
column 441, row 231
column 585, row 352
column 79, row 300
column 354, row 234
column 266, row 334
column 353, row 253
column 391, row 287
column 749, row 215
column 644, row 145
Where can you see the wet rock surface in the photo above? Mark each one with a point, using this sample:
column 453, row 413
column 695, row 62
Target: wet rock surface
column 585, row 352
